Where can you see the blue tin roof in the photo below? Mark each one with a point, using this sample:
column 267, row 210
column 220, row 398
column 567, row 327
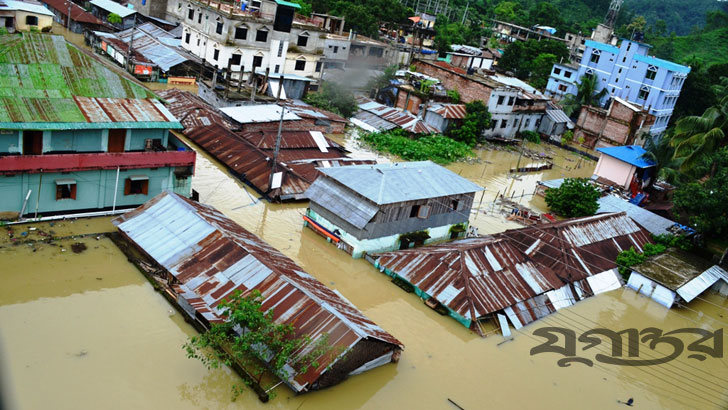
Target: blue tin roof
column 601, row 46
column 631, row 154
column 663, row 63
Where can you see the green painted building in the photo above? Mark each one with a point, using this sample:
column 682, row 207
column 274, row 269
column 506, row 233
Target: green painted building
column 76, row 137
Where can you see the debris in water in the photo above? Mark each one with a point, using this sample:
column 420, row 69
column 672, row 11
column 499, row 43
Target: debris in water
column 78, row 247
column 24, row 234
column 629, row 402
column 99, row 278
column 82, row 353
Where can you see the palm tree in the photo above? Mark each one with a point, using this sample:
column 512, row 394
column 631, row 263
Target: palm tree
column 586, row 94
column 659, row 151
column 696, row 138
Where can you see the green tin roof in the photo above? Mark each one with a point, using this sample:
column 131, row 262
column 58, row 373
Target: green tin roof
column 51, row 126
column 288, row 4
column 41, row 73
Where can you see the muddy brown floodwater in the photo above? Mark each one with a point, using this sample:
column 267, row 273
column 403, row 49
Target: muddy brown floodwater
column 86, row 331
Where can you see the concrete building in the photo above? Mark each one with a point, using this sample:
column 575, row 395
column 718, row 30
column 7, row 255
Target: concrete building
column 25, row 16
column 265, row 35
column 81, row 138
column 379, row 208
column 508, row 33
column 621, row 123
column 629, row 72
column 562, row 80
column 624, row 166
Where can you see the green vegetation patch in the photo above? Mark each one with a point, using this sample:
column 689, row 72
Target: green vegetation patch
column 437, row 148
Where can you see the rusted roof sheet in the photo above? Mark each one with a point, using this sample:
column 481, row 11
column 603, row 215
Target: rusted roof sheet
column 123, row 110
column 211, row 256
column 473, row 277
column 307, row 111
column 266, row 139
column 148, row 42
column 391, row 115
column 78, row 14
column 450, row 111
column 191, row 110
column 580, row 247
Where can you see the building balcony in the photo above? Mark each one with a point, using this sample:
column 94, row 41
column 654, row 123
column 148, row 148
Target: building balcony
column 15, row 164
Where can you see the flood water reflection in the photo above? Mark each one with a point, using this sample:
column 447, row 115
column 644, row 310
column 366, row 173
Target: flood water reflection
column 86, row 331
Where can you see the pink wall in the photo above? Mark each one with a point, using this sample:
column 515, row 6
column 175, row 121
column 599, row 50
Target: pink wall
column 615, row 170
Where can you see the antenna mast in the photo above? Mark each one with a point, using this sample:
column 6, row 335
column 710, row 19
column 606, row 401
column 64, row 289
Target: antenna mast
column 613, row 13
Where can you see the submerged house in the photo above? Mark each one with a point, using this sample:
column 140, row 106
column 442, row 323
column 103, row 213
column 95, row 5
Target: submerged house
column 203, row 257
column 675, row 278
column 478, row 280
column 379, row 208
column 80, row 137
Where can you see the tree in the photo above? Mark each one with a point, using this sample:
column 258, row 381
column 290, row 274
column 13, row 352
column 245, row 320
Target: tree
column 251, row 338
column 586, row 94
column 706, row 204
column 659, row 151
column 475, row 122
column 510, row 11
column 541, row 69
column 698, row 137
column 113, row 18
column 334, row 98
column 575, row 197
column 383, row 79
column 520, row 56
column 305, row 9
column 547, row 14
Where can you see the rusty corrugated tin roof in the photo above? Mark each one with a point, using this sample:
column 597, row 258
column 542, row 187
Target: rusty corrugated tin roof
column 307, row 111
column 473, row 277
column 580, row 247
column 450, row 111
column 211, row 256
column 191, row 110
column 403, row 120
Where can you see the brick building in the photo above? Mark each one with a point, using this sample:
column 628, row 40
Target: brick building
column 620, row 124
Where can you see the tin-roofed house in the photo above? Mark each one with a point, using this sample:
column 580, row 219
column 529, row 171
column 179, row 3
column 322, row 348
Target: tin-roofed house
column 379, row 208
column 203, row 257
column 79, row 137
column 477, row 280
column 625, row 166
column 25, row 16
column 677, row 278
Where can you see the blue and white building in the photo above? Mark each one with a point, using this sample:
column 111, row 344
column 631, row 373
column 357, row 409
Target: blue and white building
column 629, row 72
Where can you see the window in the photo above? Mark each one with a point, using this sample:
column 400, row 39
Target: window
column 644, row 92
column 511, row 100
column 562, row 88
column 594, row 58
column 198, row 41
column 241, row 33
column 280, row 49
column 136, row 185
column 302, row 41
column 191, row 14
column 454, row 204
column 215, row 54
column 629, row 45
column 527, row 123
column 65, row 189
column 262, row 36
column 651, row 73
column 420, row 211
column 318, row 66
column 500, row 99
column 300, row 65
column 277, row 69
column 31, row 20
column 336, row 49
column 619, row 71
column 414, row 211
column 624, row 59
column 257, row 62
column 494, row 124
column 567, row 74
column 199, row 17
column 504, row 123
column 187, row 38
column 235, row 59
column 557, row 71
column 219, row 27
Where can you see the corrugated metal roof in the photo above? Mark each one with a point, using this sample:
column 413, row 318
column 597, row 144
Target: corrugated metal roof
column 698, row 285
column 41, row 74
column 450, row 111
column 390, row 115
column 307, row 111
column 649, row 220
column 78, row 14
column 12, row 5
column 401, row 181
column 558, row 116
column 673, row 269
column 355, row 210
column 249, row 114
column 148, row 43
column 580, row 247
column 191, row 110
column 473, row 277
column 113, row 7
column 212, row 257
column 631, row 154
column 374, row 121
column 552, row 183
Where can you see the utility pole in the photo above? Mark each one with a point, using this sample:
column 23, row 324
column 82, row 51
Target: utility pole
column 68, row 20
column 466, row 13
column 131, row 45
column 280, row 129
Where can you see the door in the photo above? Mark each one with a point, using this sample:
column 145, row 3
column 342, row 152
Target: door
column 117, row 140
column 32, row 142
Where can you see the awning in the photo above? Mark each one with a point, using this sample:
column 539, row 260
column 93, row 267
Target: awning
column 65, row 181
column 139, row 178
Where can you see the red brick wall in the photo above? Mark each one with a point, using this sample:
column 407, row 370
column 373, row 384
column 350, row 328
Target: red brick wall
column 470, row 90
column 413, row 104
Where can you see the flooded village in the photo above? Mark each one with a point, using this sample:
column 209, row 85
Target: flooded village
column 228, row 205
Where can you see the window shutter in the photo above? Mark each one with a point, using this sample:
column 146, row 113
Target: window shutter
column 424, row 212
column 145, row 187
column 127, row 186
column 59, row 192
column 73, row 191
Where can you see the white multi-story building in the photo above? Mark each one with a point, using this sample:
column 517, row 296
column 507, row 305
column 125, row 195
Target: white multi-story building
column 262, row 35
